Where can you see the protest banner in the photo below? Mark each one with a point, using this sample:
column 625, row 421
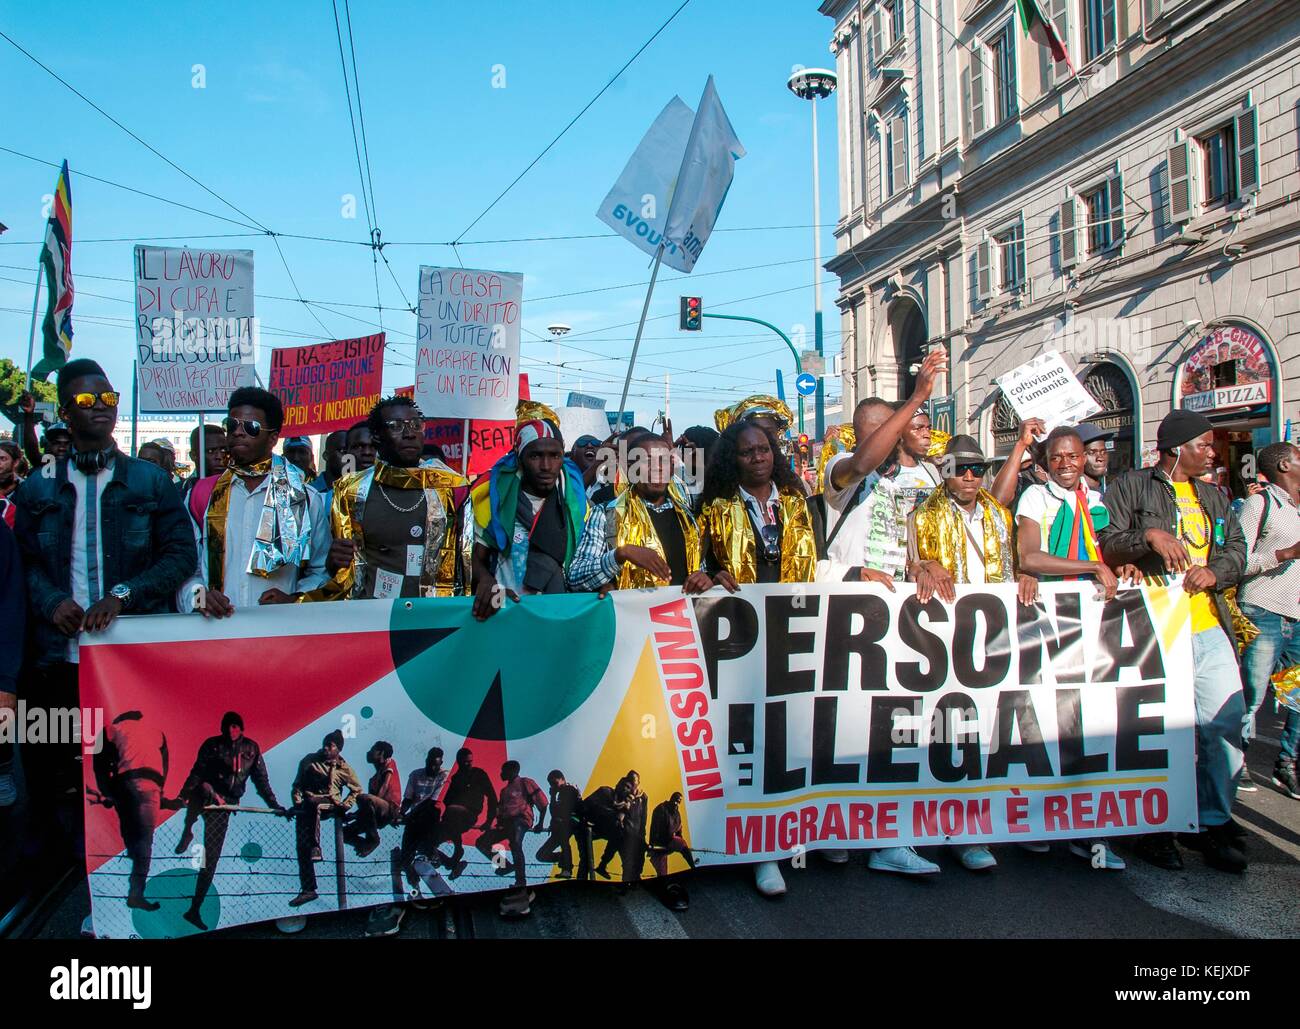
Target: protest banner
column 327, row 386
column 790, row 718
column 582, row 421
column 195, row 333
column 1046, row 388
column 467, row 342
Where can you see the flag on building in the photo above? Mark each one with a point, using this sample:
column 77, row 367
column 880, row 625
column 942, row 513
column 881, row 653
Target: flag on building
column 1041, row 30
column 707, row 168
column 56, row 259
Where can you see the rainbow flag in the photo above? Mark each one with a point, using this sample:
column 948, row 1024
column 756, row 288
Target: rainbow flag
column 56, row 259
column 1041, row 30
column 1074, row 531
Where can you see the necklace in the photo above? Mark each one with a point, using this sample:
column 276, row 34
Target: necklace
column 1185, row 532
column 401, row 510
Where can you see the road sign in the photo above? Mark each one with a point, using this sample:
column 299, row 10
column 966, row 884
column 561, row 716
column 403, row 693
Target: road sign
column 813, row 362
column 806, row 384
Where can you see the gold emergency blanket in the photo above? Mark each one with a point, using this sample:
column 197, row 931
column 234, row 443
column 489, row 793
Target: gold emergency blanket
column 636, row 529
column 731, row 535
column 941, row 536
column 755, row 405
column 438, row 572
column 839, row 439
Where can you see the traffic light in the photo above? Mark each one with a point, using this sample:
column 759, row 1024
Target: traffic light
column 804, row 449
column 692, row 314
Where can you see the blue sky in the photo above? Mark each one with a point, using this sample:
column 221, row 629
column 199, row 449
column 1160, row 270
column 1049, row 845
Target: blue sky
column 269, row 132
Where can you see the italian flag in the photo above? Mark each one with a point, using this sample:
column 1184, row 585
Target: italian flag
column 1041, row 31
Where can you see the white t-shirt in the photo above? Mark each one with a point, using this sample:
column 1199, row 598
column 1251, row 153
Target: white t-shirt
column 849, row 547
column 975, row 572
column 913, row 485
column 87, row 559
column 1041, row 503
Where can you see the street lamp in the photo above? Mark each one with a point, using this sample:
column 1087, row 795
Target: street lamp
column 815, row 84
column 557, row 330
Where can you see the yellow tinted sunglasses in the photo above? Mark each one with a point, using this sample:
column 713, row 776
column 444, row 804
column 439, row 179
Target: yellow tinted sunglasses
column 88, row 399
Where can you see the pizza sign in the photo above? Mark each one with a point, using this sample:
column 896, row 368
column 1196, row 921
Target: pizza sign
column 1229, row 368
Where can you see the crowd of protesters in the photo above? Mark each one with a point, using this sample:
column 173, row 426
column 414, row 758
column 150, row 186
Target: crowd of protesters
column 97, row 534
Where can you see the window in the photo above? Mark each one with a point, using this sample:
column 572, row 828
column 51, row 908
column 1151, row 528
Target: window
column 1098, row 27
column 1217, row 177
column 1002, row 54
column 896, row 29
column 896, row 172
column 1011, row 258
column 1104, row 210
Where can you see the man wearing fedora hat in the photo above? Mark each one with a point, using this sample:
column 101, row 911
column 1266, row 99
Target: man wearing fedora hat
column 961, row 533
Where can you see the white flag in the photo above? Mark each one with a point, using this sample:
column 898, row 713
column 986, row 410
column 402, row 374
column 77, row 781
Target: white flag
column 703, row 180
column 637, row 207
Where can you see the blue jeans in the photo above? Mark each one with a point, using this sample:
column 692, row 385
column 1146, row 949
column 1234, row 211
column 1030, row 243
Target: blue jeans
column 1276, row 647
column 1220, row 711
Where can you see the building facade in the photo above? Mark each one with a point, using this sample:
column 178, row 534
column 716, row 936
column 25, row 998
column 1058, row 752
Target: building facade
column 1134, row 208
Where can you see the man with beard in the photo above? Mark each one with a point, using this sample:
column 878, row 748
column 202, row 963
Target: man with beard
column 221, row 772
column 528, row 515
column 397, row 523
column 264, row 534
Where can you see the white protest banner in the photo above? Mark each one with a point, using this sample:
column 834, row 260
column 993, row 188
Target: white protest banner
column 708, row 166
column 1046, row 388
column 467, row 343
column 637, row 207
column 196, row 337
column 582, row 421
column 788, row 717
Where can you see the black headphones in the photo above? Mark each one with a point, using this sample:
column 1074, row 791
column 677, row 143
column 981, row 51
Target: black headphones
column 92, row 461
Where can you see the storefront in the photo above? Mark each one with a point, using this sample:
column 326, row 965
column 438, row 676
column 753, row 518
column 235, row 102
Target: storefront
column 1230, row 377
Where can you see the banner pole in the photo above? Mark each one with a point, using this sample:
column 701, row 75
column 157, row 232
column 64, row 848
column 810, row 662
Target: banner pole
column 203, row 447
column 636, row 343
column 135, row 407
column 31, row 335
column 464, row 450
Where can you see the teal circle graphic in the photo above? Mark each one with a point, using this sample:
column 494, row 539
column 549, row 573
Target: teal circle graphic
column 173, row 890
column 450, row 664
column 251, row 852
column 367, row 711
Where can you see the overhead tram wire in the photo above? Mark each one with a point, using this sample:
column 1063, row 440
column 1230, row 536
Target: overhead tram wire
column 162, row 157
column 573, row 121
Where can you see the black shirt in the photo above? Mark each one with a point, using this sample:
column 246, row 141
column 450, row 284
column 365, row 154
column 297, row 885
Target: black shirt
column 668, row 528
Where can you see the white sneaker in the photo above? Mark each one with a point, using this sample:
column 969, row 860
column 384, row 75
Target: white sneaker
column 768, row 879
column 1036, row 846
column 1111, row 861
column 292, row 924
column 87, row 929
column 976, row 859
column 8, row 791
column 903, row 860
column 836, row 856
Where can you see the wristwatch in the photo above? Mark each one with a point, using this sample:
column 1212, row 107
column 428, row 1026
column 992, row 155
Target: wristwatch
column 123, row 593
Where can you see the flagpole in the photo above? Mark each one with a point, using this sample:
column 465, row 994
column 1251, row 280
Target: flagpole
column 464, row 449
column 31, row 335
column 135, row 407
column 636, row 343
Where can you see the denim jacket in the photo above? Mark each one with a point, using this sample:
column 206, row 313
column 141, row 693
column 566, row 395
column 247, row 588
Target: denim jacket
column 145, row 536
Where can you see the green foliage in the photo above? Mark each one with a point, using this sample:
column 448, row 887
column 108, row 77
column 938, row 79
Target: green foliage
column 13, row 380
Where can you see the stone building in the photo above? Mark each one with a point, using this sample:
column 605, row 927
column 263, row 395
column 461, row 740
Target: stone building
column 1134, row 209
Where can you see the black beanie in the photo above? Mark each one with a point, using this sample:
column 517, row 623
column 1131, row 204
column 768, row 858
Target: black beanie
column 1180, row 426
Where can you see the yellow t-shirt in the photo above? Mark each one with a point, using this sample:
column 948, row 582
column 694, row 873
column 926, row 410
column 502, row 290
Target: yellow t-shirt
column 1195, row 532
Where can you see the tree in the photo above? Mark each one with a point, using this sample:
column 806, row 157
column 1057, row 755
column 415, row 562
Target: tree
column 13, row 381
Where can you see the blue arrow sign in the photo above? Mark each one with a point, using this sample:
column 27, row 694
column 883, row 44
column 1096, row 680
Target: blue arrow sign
column 806, row 384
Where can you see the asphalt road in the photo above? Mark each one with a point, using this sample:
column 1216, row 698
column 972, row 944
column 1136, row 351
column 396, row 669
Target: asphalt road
column 1028, row 895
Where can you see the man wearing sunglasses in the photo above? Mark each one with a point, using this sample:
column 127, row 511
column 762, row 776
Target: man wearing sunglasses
column 264, row 533
column 104, row 535
column 962, row 534
column 397, row 524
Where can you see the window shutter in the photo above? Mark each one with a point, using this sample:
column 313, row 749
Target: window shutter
column 1059, row 14
column 877, row 37
column 1116, row 186
column 983, row 283
column 968, row 130
column 1010, row 73
column 1247, row 136
column 1107, row 34
column 898, row 140
column 1178, row 160
column 977, row 91
column 1069, row 235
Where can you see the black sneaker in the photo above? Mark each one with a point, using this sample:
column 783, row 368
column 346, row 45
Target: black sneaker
column 1158, row 849
column 1221, row 851
column 1245, row 783
column 385, row 921
column 1285, row 780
